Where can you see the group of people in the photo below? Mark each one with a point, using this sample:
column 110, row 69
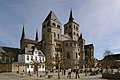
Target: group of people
column 75, row 71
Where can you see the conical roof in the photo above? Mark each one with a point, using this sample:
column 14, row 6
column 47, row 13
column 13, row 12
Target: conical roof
column 51, row 16
column 71, row 17
column 36, row 38
column 23, row 33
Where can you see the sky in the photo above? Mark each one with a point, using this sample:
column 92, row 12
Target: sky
column 99, row 21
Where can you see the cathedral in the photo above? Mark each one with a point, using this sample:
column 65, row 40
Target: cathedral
column 69, row 47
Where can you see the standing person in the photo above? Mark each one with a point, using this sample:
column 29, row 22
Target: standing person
column 77, row 74
column 69, row 73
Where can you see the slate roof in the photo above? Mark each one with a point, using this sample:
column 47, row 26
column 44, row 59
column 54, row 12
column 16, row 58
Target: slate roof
column 51, row 16
column 89, row 46
column 31, row 41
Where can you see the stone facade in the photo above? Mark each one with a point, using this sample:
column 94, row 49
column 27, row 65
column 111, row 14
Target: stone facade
column 70, row 46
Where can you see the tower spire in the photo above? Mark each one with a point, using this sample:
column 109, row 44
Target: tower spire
column 36, row 38
column 71, row 16
column 23, row 33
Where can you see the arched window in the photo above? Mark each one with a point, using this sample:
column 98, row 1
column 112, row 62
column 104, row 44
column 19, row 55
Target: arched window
column 68, row 55
column 58, row 36
column 54, row 35
column 76, row 55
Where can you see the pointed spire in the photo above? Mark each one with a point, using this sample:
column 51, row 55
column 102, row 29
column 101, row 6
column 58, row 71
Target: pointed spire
column 23, row 33
column 36, row 38
column 71, row 16
column 51, row 16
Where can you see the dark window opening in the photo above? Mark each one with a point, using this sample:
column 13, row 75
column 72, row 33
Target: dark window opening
column 58, row 36
column 58, row 26
column 54, row 35
column 66, row 44
column 53, row 24
column 68, row 55
column 76, row 55
column 69, row 26
column 49, row 30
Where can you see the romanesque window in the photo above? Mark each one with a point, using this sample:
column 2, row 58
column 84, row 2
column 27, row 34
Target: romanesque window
column 53, row 24
column 74, row 33
column 77, row 28
column 49, row 30
column 77, row 34
column 58, row 36
column 58, row 26
column 54, row 35
column 74, row 26
column 68, row 55
column 76, row 55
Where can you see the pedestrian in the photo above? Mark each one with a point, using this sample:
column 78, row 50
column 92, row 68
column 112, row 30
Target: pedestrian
column 77, row 74
column 69, row 74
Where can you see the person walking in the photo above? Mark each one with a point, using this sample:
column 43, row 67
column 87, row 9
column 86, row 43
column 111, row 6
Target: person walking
column 77, row 74
column 69, row 73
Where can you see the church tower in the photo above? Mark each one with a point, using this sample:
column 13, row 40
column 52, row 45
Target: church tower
column 72, row 28
column 81, row 43
column 51, row 37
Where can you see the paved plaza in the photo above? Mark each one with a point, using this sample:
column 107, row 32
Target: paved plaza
column 14, row 76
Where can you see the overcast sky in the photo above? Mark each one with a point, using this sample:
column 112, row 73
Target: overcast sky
column 99, row 20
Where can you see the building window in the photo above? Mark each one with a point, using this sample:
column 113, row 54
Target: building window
column 77, row 34
column 31, row 58
column 66, row 44
column 31, row 66
column 74, row 33
column 36, row 58
column 76, row 55
column 27, row 66
column 53, row 24
column 43, row 59
column 54, row 35
column 27, row 57
column 58, row 26
column 58, row 36
column 70, row 44
column 74, row 26
column 69, row 26
column 77, row 28
column 42, row 66
column 49, row 30
column 68, row 55
column 40, row 59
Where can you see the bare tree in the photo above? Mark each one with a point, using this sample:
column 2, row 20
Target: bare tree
column 107, row 52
